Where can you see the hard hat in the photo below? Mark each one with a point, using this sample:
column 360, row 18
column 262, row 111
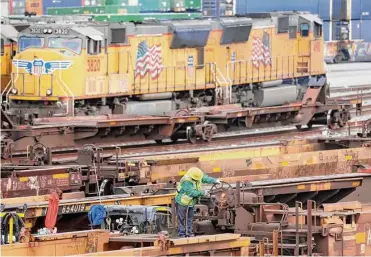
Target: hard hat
column 195, row 173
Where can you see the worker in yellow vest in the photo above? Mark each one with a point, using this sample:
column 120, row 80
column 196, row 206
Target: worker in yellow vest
column 188, row 192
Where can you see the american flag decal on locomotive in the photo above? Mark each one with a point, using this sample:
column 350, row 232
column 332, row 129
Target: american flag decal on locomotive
column 261, row 51
column 148, row 60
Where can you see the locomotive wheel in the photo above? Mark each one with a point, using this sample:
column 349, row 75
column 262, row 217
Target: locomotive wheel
column 158, row 141
column 191, row 137
column 310, row 125
column 344, row 117
column 106, row 187
column 207, row 132
column 333, row 119
column 341, row 121
column 298, row 127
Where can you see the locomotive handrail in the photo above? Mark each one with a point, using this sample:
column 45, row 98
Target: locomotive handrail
column 280, row 67
column 169, row 72
column 12, row 83
column 71, row 93
column 228, row 83
column 6, row 89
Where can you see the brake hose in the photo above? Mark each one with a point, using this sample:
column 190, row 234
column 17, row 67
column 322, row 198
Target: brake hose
column 17, row 223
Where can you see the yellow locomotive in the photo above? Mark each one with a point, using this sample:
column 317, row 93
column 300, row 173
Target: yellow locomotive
column 9, row 35
column 70, row 69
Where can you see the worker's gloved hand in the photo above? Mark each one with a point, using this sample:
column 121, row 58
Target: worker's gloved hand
column 218, row 181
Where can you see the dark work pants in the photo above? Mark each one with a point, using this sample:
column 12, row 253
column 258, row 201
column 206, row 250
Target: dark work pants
column 185, row 220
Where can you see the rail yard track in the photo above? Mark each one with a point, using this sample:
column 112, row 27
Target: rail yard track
column 94, row 148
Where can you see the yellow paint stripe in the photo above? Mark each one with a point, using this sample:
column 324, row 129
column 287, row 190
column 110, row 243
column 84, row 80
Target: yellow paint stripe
column 348, row 157
column 285, row 163
column 259, row 166
column 23, row 179
column 181, row 173
column 63, row 175
column 356, row 184
column 21, row 215
column 217, row 169
column 301, row 187
column 35, row 98
column 309, row 161
column 360, row 238
column 249, row 153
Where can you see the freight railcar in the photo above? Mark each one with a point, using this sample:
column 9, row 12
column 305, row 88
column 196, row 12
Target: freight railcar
column 156, row 67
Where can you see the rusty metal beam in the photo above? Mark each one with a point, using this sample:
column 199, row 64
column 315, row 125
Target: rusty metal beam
column 71, row 206
column 95, row 243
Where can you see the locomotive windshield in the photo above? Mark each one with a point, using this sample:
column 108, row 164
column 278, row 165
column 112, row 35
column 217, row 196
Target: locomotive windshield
column 72, row 44
column 30, row 42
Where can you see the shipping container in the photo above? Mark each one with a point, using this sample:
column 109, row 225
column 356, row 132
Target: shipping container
column 17, row 7
column 177, row 6
column 361, row 29
column 193, row 5
column 93, row 2
column 144, row 16
column 355, row 29
column 326, row 9
column 341, row 9
column 34, row 6
column 327, row 30
column 249, row 6
column 4, row 8
column 217, row 7
column 340, row 30
column 361, row 10
column 122, row 9
column 155, row 6
column 109, row 9
column 59, row 3
column 76, row 10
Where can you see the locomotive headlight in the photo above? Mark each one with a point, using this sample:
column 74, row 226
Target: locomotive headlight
column 49, row 92
column 14, row 91
column 45, row 31
column 50, row 31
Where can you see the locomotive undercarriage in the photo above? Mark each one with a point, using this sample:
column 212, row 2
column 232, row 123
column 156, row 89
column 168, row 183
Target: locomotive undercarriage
column 253, row 95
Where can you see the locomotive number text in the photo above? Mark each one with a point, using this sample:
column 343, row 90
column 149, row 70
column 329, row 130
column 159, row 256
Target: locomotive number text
column 93, row 65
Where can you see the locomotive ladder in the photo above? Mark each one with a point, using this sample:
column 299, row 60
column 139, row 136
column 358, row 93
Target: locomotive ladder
column 223, row 86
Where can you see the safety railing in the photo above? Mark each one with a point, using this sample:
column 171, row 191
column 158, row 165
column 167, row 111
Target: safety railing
column 174, row 78
column 6, row 89
column 279, row 67
column 222, row 82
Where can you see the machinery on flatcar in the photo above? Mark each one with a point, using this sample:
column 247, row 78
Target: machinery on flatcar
column 153, row 68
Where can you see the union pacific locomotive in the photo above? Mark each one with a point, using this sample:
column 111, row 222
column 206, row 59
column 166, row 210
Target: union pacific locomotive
column 152, row 68
column 8, row 38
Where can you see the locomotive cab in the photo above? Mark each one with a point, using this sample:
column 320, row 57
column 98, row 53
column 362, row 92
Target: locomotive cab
column 49, row 65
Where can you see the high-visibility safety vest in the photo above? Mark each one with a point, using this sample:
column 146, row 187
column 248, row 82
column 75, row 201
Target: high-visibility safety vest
column 181, row 197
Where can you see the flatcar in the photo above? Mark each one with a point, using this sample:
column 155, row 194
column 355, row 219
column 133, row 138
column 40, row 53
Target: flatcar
column 155, row 67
